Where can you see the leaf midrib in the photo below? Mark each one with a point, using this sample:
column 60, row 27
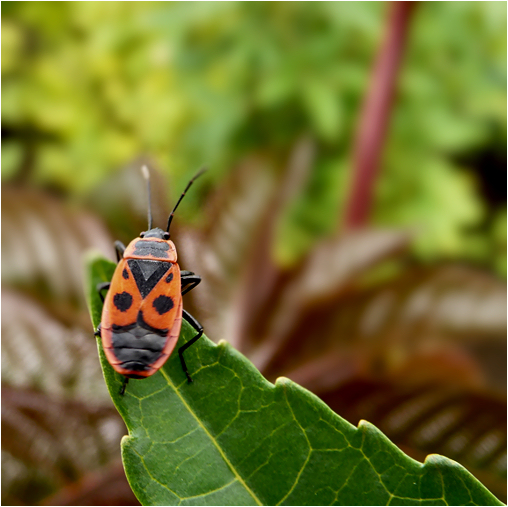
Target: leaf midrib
column 210, row 436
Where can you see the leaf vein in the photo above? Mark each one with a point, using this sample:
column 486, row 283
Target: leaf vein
column 210, row 492
column 179, row 438
column 152, row 477
column 308, row 443
column 210, row 436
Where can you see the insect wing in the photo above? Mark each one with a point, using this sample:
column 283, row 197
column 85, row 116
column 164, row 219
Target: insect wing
column 123, row 299
column 160, row 306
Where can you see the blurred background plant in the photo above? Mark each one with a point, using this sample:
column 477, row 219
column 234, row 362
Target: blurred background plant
column 397, row 317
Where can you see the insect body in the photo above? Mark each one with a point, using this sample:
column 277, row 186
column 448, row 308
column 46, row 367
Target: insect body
column 143, row 309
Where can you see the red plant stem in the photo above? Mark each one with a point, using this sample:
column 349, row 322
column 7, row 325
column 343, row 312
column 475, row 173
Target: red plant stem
column 375, row 115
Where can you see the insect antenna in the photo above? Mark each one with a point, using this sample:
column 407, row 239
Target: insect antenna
column 146, row 175
column 197, row 175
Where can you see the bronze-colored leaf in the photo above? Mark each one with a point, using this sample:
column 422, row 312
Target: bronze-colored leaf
column 464, row 424
column 107, row 486
column 61, row 439
column 38, row 351
column 43, row 241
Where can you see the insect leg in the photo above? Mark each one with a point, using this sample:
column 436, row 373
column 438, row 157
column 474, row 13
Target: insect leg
column 120, row 249
column 103, row 286
column 122, row 389
column 190, row 279
column 199, row 328
column 98, row 332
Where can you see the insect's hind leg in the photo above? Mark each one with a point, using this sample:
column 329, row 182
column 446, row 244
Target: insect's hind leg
column 122, row 389
column 199, row 328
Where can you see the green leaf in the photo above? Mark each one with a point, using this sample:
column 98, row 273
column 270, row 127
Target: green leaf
column 323, row 107
column 233, row 438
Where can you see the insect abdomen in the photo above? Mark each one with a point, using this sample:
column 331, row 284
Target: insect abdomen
column 138, row 348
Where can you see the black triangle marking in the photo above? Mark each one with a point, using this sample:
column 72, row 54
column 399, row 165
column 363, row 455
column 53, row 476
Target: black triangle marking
column 148, row 268
column 147, row 273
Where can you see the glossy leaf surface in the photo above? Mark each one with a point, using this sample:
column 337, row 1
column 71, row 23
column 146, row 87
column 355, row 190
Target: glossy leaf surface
column 233, row 438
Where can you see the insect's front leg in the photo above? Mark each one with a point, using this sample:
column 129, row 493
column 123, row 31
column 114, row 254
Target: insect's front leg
column 120, row 250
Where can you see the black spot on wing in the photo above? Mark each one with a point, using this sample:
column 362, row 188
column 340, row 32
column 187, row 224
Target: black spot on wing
column 147, row 273
column 125, row 273
column 169, row 278
column 122, row 301
column 163, row 304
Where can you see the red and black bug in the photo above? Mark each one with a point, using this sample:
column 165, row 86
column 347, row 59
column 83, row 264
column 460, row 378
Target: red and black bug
column 143, row 310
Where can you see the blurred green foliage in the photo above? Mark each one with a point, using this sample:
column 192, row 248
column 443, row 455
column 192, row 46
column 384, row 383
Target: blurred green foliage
column 90, row 86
